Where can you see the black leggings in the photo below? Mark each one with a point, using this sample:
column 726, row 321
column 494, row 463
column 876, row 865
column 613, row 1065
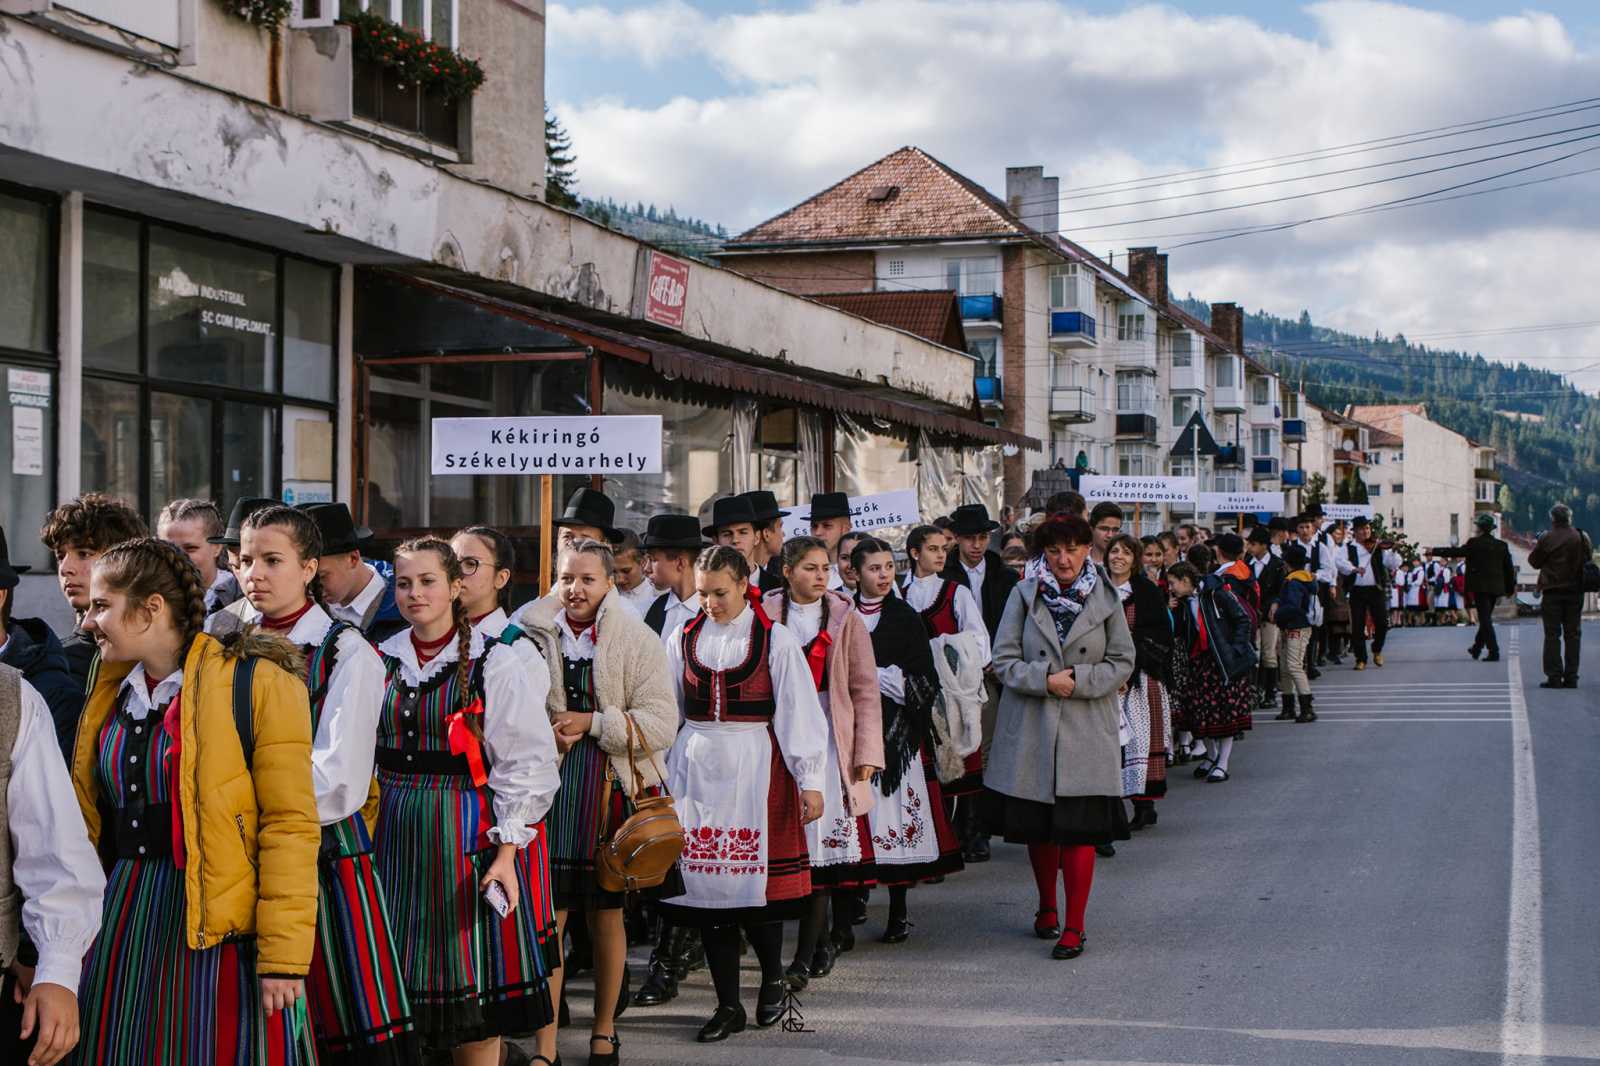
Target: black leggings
column 722, row 956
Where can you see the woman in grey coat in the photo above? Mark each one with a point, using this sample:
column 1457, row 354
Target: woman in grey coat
column 1054, row 776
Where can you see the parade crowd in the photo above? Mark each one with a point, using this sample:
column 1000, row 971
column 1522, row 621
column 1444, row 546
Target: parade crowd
column 272, row 801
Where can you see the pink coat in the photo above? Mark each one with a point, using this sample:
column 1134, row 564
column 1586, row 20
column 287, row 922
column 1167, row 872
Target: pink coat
column 854, row 703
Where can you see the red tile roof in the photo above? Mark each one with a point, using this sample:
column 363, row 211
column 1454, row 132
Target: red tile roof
column 906, row 195
column 1390, row 418
column 933, row 313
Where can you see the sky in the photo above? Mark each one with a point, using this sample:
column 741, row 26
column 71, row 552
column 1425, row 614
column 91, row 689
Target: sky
column 733, row 112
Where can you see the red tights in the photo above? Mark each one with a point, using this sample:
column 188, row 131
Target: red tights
column 1076, row 866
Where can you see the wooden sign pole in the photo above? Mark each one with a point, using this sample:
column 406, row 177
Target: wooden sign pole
column 547, row 505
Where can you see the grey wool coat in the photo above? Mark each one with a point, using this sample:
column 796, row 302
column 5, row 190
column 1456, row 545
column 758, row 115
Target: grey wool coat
column 1046, row 747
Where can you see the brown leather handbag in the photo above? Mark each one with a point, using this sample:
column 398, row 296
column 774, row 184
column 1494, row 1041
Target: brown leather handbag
column 645, row 847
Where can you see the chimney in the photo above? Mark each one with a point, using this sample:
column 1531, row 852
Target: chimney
column 1147, row 268
column 1227, row 322
column 1034, row 198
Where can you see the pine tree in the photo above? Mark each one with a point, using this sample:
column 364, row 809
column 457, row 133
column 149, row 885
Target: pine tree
column 560, row 175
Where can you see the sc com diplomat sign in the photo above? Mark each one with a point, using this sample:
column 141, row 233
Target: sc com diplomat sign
column 624, row 444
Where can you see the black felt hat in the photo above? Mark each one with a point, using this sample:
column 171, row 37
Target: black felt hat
column 589, row 507
column 765, row 506
column 970, row 519
column 8, row 572
column 729, row 511
column 340, row 534
column 672, row 531
column 830, row 505
column 243, row 508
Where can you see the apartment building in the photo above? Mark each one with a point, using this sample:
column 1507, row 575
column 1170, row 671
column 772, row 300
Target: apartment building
column 1426, row 480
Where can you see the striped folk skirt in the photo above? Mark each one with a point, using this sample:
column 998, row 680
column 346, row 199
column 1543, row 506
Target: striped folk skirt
column 469, row 974
column 148, row 999
column 358, row 1003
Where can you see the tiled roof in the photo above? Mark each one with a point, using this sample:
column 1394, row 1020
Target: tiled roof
column 933, row 313
column 907, row 194
column 1390, row 418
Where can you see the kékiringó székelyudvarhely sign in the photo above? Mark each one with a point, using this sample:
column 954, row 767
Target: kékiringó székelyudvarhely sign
column 617, row 444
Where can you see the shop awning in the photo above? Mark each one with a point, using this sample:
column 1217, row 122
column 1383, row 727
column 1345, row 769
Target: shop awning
column 676, row 361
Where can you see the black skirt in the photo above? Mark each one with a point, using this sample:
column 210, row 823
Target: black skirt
column 1070, row 820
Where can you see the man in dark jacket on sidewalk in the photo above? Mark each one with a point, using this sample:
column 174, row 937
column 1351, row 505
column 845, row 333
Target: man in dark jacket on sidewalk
column 1559, row 557
column 1490, row 576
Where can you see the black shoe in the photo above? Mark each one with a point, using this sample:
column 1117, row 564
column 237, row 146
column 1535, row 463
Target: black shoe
column 625, row 994
column 1554, row 682
column 1312, row 673
column 976, row 850
column 858, row 907
column 822, row 959
column 1288, row 709
column 798, row 974
column 1306, row 712
column 843, row 940
column 605, row 1058
column 1063, row 950
column 1474, row 651
column 1144, row 815
column 1571, row 682
column 898, row 931
column 1046, row 930
column 769, row 1004
column 660, row 986
column 1492, row 657
column 723, row 1024
column 1106, row 851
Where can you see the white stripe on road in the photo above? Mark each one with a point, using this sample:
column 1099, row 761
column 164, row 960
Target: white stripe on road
column 1522, row 1025
column 1327, row 718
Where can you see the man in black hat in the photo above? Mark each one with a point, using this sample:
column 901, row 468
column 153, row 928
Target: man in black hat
column 356, row 590
column 673, row 542
column 1368, row 569
column 28, row 645
column 1278, row 529
column 733, row 525
column 77, row 533
column 769, row 539
column 1490, row 576
column 590, row 515
column 830, row 520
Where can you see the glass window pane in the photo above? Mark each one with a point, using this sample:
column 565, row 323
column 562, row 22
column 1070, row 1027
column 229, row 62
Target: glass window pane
column 212, row 308
column 25, row 285
column 180, row 448
column 696, row 459
column 110, row 439
column 28, row 453
column 443, row 33
column 307, row 455
column 308, row 329
column 110, row 292
column 246, row 452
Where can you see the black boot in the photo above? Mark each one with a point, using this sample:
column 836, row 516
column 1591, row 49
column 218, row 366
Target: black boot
column 1306, row 713
column 688, row 953
column 1144, row 814
column 1287, row 714
column 661, row 982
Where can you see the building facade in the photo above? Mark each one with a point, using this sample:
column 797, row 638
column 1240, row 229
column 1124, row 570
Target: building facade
column 1429, row 481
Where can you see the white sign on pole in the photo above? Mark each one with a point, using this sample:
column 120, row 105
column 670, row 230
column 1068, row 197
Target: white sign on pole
column 1241, row 502
column 1344, row 512
column 882, row 510
column 1097, row 487
column 622, row 444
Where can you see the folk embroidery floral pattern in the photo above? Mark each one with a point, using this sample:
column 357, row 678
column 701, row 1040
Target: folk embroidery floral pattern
column 910, row 833
column 711, row 849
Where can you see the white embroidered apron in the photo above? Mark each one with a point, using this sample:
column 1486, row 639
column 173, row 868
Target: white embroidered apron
column 902, row 824
column 832, row 839
column 719, row 774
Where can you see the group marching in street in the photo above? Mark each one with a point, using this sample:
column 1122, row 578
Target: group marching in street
column 275, row 802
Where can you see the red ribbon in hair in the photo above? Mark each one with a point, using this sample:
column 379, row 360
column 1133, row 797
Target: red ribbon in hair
column 463, row 742
column 172, row 724
column 817, row 657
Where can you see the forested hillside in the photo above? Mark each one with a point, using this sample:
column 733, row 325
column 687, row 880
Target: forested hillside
column 686, row 236
column 1548, row 432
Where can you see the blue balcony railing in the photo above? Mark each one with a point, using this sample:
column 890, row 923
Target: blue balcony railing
column 988, row 390
column 1071, row 324
column 1229, row 455
column 1264, row 466
column 981, row 308
column 1294, row 479
column 1294, row 430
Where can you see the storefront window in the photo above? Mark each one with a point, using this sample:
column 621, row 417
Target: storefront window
column 696, row 451
column 871, row 457
column 246, row 452
column 110, row 292
column 309, row 292
column 27, row 449
column 180, row 447
column 25, row 283
column 211, row 311
column 111, row 437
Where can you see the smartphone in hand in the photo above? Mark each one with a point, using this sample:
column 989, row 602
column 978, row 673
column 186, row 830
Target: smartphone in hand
column 495, row 895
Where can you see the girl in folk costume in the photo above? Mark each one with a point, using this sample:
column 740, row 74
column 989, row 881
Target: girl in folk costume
column 358, row 1004
column 747, row 773
column 1397, row 600
column 838, row 649
column 193, row 770
column 467, row 770
column 912, row 839
column 1146, row 705
column 1215, row 658
column 486, row 556
column 1415, row 579
column 609, row 691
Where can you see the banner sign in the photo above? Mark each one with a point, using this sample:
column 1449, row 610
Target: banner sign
column 666, row 291
column 1346, row 511
column 1097, row 487
column 623, row 444
column 883, row 510
column 1241, row 502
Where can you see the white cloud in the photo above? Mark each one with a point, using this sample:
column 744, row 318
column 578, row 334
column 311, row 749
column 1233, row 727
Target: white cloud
column 818, row 92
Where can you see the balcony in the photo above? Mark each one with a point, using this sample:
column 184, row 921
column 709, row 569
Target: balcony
column 1230, row 456
column 1228, row 399
column 1486, row 473
column 1072, row 329
column 1136, row 426
column 1188, row 377
column 1294, row 479
column 1349, row 457
column 1484, row 506
column 989, row 391
column 1294, row 431
column 1072, row 403
column 378, row 95
column 981, row 308
column 1264, row 466
column 1263, row 414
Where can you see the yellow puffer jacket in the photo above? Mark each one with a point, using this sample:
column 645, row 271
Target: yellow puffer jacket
column 250, row 835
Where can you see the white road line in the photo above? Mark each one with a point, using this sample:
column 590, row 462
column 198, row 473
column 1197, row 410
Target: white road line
column 1522, row 1025
column 1392, row 718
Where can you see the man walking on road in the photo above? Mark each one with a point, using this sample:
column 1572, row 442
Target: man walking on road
column 1559, row 557
column 1368, row 567
column 1490, row 575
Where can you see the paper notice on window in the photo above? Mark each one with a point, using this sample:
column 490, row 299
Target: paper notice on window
column 27, row 441
column 28, row 388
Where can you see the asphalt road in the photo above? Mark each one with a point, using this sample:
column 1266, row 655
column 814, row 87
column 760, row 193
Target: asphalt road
column 1346, row 898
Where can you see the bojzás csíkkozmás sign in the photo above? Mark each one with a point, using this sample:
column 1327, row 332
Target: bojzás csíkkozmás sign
column 623, row 444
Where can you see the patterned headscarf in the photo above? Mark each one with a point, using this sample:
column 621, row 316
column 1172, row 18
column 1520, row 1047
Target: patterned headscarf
column 1064, row 607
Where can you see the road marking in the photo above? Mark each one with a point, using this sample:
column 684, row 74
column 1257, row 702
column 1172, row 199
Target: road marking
column 1322, row 717
column 1522, row 1026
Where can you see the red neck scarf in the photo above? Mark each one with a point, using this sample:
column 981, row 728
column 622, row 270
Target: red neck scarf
column 427, row 650
column 286, row 622
column 580, row 628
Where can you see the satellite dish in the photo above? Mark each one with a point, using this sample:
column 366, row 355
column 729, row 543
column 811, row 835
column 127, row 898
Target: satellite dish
column 1349, row 444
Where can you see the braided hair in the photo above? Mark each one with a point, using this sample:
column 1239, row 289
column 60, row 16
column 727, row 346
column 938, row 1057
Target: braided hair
column 303, row 533
column 450, row 563
column 149, row 567
column 723, row 557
